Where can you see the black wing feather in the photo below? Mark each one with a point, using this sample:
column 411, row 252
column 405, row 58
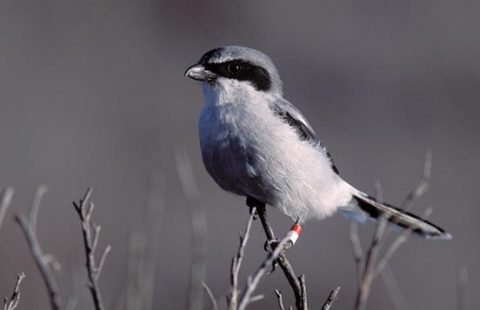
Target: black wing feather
column 304, row 131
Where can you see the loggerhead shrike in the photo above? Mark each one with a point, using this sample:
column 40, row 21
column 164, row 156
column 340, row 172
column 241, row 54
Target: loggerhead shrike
column 256, row 144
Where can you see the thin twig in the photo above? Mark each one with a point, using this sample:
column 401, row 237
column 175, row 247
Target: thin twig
column 331, row 298
column 256, row 298
column 135, row 264
column 422, row 185
column 198, row 231
column 280, row 299
column 91, row 234
column 419, row 190
column 15, row 298
column 402, row 238
column 5, row 199
column 303, row 295
column 237, row 262
column 77, row 286
column 210, row 295
column 71, row 303
column 393, row 290
column 253, row 280
column 462, row 288
column 42, row 261
column 371, row 256
column 282, row 259
column 371, row 267
column 143, row 248
column 357, row 249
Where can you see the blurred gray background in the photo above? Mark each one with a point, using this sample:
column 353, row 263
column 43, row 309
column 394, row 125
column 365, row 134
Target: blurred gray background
column 92, row 93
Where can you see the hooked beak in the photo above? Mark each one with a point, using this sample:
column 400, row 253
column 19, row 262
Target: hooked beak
column 199, row 73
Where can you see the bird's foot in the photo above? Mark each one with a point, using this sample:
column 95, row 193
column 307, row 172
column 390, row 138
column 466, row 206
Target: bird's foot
column 270, row 245
column 293, row 234
column 274, row 267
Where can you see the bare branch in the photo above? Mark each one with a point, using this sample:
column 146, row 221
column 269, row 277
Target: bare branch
column 371, row 267
column 280, row 299
column 76, row 287
column 370, row 260
column 331, row 298
column 419, row 190
column 422, row 185
column 253, row 280
column 402, row 238
column 282, row 259
column 212, row 299
column 303, row 295
column 96, row 229
column 91, row 233
column 5, row 199
column 392, row 289
column 256, row 298
column 71, row 302
column 42, row 261
column 41, row 191
column 357, row 249
column 15, row 298
column 102, row 260
column 371, row 257
column 135, row 258
column 143, row 248
column 462, row 288
column 237, row 262
column 198, row 232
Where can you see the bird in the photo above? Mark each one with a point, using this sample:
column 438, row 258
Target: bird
column 257, row 144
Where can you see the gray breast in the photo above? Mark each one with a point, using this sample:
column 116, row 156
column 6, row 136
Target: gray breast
column 226, row 156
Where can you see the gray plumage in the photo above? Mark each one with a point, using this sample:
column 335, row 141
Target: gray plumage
column 256, row 144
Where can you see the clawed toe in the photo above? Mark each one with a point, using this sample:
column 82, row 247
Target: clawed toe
column 274, row 267
column 270, row 245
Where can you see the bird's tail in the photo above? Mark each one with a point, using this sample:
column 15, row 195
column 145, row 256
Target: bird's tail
column 398, row 217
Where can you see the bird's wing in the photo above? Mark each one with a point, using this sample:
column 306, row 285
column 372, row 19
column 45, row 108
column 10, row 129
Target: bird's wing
column 293, row 117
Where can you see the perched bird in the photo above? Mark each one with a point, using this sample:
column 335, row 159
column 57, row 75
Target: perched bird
column 256, row 144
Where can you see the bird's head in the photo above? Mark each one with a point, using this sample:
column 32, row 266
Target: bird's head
column 237, row 67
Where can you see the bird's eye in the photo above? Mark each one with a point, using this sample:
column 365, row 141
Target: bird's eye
column 234, row 67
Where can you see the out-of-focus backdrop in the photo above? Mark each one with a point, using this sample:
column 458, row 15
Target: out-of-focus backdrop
column 92, row 93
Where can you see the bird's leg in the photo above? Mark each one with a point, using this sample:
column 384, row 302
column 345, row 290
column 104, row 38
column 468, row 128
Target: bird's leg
column 254, row 203
column 272, row 242
column 295, row 232
column 262, row 214
column 270, row 245
column 282, row 258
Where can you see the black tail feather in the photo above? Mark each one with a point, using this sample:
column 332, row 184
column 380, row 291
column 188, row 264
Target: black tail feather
column 400, row 218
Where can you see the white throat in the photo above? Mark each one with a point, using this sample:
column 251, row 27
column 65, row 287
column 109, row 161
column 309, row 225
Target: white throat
column 227, row 91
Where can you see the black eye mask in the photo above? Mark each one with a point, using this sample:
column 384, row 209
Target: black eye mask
column 242, row 71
